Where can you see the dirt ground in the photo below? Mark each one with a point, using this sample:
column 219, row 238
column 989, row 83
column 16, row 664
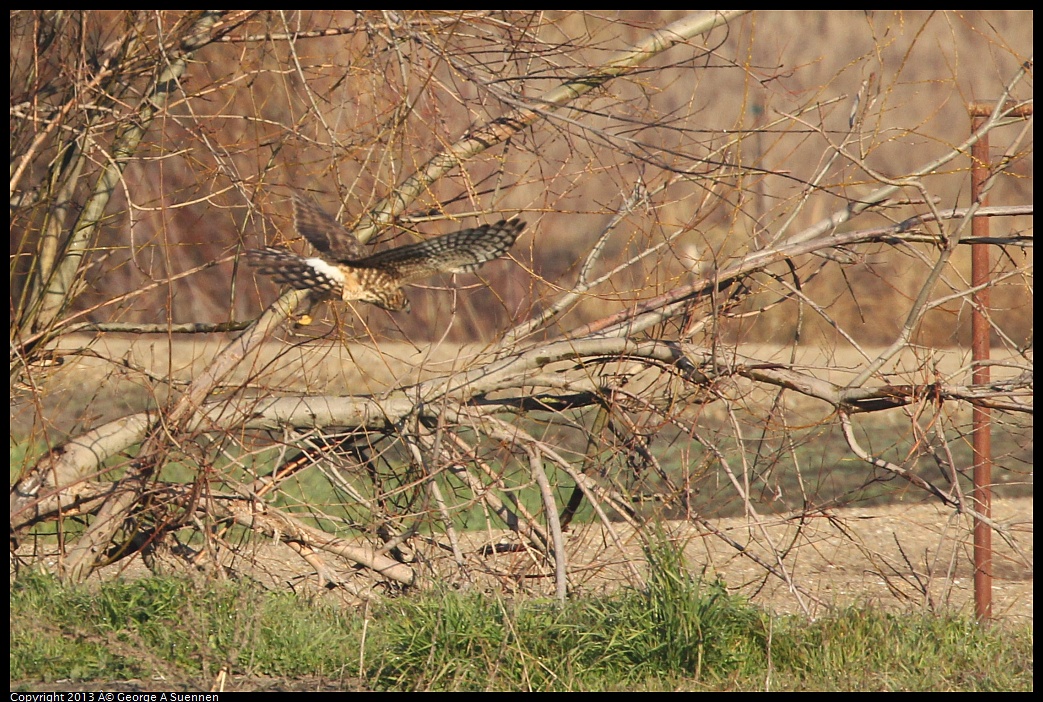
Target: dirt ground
column 908, row 557
column 893, row 556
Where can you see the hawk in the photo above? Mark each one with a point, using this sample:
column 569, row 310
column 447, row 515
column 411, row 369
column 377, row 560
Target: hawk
column 344, row 271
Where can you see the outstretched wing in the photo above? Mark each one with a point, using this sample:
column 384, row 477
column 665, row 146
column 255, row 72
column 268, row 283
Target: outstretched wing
column 459, row 252
column 323, row 231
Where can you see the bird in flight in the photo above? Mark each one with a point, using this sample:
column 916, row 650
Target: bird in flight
column 342, row 270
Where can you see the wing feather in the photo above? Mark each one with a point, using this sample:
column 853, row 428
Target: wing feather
column 323, row 231
column 458, row 252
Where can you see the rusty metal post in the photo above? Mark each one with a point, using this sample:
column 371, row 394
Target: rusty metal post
column 981, row 428
column 981, row 419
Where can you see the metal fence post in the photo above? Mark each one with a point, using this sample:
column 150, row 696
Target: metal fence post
column 981, row 427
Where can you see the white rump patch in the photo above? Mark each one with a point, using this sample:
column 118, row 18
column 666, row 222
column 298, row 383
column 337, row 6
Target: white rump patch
column 332, row 272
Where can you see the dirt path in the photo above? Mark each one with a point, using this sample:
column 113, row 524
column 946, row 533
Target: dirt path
column 894, row 556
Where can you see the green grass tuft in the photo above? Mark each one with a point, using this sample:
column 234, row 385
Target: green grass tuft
column 679, row 632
